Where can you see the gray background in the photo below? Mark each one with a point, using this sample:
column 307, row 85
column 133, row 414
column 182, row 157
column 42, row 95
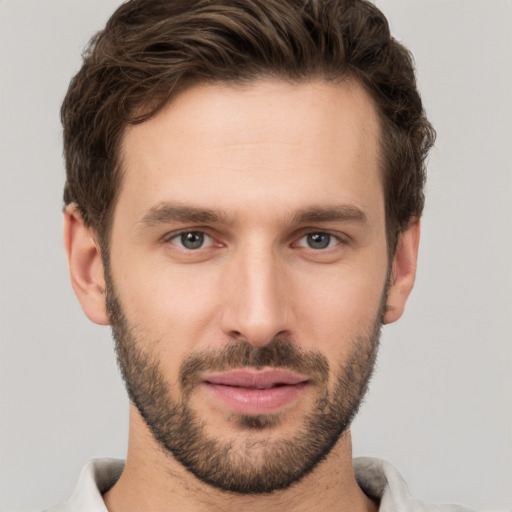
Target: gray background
column 440, row 403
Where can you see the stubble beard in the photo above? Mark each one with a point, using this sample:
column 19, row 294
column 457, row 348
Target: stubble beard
column 251, row 465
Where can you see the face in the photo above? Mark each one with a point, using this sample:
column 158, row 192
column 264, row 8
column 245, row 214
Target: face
column 247, row 275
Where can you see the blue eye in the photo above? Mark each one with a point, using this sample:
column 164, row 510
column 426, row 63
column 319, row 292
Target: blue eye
column 318, row 241
column 191, row 240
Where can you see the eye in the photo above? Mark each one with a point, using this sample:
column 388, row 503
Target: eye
column 318, row 241
column 191, row 240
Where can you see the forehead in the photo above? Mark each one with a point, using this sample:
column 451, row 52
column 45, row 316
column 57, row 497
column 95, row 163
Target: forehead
column 271, row 141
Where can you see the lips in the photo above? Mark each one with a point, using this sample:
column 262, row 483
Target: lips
column 249, row 391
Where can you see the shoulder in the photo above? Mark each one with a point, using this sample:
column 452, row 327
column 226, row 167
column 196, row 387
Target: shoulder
column 97, row 476
column 381, row 481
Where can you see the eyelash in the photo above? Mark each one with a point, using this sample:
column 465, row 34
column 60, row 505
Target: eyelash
column 331, row 238
column 177, row 236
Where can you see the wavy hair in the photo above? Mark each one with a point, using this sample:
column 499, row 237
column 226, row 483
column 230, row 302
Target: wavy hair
column 150, row 50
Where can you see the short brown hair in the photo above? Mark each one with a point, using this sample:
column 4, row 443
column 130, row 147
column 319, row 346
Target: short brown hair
column 151, row 49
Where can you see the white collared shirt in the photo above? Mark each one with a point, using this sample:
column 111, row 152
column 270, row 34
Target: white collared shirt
column 377, row 478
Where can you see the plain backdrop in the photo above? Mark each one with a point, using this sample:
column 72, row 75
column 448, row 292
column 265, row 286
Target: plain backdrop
column 440, row 405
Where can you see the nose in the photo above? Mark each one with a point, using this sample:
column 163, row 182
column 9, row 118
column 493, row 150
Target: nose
column 256, row 307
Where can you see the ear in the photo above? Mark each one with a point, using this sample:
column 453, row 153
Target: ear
column 403, row 271
column 85, row 266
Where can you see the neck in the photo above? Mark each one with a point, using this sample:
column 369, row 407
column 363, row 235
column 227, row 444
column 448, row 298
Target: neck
column 154, row 480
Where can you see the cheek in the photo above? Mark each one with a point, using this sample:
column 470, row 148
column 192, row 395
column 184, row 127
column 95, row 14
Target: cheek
column 175, row 304
column 338, row 309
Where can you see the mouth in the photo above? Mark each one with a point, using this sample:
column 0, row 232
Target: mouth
column 251, row 391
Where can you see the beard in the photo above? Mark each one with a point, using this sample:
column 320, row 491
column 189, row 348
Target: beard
column 252, row 465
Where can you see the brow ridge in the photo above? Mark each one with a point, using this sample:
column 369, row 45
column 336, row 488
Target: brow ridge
column 344, row 213
column 165, row 213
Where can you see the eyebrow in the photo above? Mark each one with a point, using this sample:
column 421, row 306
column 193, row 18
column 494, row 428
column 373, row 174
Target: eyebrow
column 166, row 213
column 342, row 213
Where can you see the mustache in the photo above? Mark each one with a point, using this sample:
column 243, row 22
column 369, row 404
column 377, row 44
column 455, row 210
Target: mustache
column 278, row 353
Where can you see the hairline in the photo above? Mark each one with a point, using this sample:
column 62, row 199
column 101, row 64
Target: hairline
column 145, row 112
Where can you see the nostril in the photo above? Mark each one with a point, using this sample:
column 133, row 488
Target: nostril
column 236, row 335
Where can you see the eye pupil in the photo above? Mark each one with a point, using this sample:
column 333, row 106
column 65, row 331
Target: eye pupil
column 318, row 240
column 192, row 240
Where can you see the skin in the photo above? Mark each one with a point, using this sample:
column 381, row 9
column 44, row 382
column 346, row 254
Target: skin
column 259, row 155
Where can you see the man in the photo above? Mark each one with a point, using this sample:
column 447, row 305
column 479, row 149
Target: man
column 244, row 189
